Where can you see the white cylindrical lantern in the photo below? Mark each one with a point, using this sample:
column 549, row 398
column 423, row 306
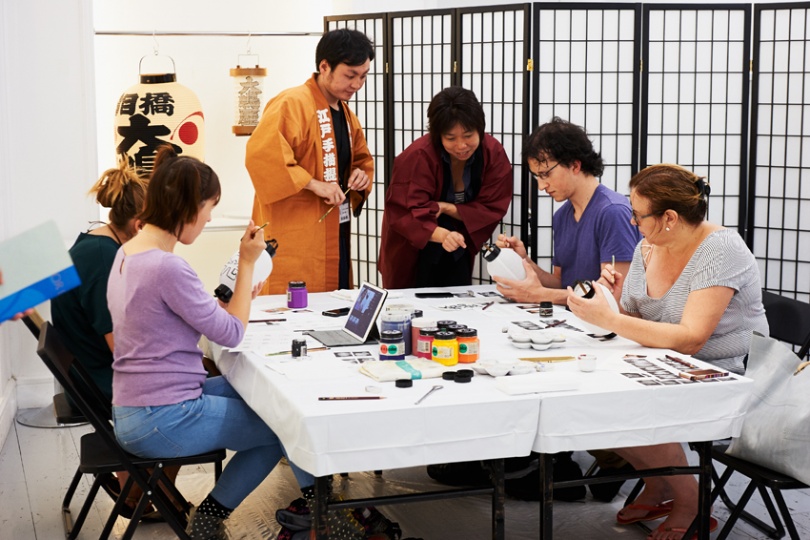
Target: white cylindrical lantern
column 158, row 111
column 248, row 90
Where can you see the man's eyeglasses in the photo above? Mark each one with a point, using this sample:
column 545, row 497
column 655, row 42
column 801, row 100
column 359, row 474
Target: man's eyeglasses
column 545, row 174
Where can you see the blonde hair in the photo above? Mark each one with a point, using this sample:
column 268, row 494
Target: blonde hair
column 121, row 190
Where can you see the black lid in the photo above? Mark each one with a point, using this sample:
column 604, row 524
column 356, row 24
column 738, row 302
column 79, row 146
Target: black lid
column 466, row 332
column 546, row 304
column 465, row 373
column 416, row 313
column 490, row 252
column 158, row 78
column 403, row 383
column 449, row 375
column 297, row 284
column 445, row 335
column 462, row 378
column 456, row 327
column 271, row 248
column 429, row 331
column 223, row 292
column 444, row 323
column 393, row 335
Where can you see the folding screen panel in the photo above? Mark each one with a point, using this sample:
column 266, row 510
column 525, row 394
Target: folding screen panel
column 369, row 106
column 585, row 66
column 695, row 96
column 779, row 210
column 492, row 62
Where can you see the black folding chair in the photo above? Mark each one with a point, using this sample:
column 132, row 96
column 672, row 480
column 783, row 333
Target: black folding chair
column 64, row 413
column 789, row 321
column 102, row 455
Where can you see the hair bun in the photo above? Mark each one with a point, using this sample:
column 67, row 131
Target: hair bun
column 703, row 187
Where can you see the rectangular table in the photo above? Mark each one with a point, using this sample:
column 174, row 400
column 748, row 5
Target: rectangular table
column 464, row 422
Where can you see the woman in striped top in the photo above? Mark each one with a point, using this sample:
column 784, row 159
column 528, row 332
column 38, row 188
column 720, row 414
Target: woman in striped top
column 693, row 287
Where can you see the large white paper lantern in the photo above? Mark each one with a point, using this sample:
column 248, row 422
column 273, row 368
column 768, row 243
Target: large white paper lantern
column 158, row 111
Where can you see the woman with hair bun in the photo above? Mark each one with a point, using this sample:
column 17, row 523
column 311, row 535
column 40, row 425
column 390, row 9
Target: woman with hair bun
column 693, row 287
column 81, row 314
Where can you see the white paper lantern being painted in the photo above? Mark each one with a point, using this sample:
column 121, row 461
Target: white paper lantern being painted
column 155, row 112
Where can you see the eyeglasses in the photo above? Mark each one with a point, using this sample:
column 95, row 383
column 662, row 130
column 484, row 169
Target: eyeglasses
column 637, row 218
column 545, row 174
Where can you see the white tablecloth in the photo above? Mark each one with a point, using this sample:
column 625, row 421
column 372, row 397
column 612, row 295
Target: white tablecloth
column 464, row 421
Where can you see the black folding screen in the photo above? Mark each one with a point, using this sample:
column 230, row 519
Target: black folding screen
column 484, row 50
column 779, row 204
column 695, row 98
column 585, row 58
column 650, row 83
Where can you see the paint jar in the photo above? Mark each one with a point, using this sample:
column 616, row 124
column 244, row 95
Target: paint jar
column 444, row 324
column 546, row 309
column 445, row 348
column 298, row 348
column 468, row 345
column 417, row 325
column 424, row 345
column 454, row 327
column 392, row 345
column 398, row 320
column 296, row 294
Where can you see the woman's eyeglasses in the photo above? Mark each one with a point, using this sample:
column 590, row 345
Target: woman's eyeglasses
column 637, row 218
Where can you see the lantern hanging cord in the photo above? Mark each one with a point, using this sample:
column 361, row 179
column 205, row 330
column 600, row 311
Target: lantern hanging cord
column 248, row 43
column 156, row 45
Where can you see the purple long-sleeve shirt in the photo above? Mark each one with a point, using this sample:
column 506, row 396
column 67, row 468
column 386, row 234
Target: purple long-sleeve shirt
column 159, row 311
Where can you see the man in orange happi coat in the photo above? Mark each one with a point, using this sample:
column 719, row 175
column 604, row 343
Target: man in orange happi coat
column 307, row 155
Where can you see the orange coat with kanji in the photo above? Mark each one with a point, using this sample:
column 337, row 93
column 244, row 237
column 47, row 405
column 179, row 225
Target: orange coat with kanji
column 294, row 143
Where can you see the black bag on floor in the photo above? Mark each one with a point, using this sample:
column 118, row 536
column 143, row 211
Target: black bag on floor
column 523, row 477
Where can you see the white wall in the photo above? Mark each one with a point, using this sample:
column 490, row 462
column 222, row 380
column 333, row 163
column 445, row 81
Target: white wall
column 47, row 154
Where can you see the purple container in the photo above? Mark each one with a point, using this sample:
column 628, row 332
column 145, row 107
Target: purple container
column 297, row 294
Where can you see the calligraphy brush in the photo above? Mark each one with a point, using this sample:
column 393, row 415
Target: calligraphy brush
column 333, row 207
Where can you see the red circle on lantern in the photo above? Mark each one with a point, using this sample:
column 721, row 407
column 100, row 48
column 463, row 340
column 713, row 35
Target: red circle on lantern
column 188, row 133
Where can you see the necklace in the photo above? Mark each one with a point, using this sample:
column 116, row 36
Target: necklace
column 109, row 226
column 645, row 257
column 161, row 241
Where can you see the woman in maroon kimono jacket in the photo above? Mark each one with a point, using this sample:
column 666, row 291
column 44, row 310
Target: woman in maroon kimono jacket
column 448, row 191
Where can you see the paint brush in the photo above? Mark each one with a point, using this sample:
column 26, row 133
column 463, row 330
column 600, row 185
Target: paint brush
column 323, row 217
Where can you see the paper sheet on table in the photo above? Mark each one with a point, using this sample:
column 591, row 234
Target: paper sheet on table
column 391, row 370
column 536, row 382
column 311, row 369
column 351, row 294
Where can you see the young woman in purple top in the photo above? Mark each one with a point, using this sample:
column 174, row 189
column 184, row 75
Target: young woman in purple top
column 163, row 405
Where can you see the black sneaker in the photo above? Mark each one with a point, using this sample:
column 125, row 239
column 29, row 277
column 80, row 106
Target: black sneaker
column 467, row 473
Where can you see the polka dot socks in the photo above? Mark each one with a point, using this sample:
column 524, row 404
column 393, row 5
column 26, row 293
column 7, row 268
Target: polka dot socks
column 207, row 521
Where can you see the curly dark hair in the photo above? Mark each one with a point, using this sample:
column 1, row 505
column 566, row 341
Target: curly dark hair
column 561, row 141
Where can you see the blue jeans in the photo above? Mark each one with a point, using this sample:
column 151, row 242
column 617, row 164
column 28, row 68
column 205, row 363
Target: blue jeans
column 219, row 418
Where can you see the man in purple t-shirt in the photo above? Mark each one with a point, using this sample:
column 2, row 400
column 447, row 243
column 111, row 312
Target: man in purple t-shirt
column 591, row 229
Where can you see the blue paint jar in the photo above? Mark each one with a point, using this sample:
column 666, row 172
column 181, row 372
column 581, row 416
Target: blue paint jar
column 392, row 345
column 399, row 321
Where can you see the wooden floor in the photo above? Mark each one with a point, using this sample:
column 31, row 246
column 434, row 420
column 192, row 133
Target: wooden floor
column 36, row 466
